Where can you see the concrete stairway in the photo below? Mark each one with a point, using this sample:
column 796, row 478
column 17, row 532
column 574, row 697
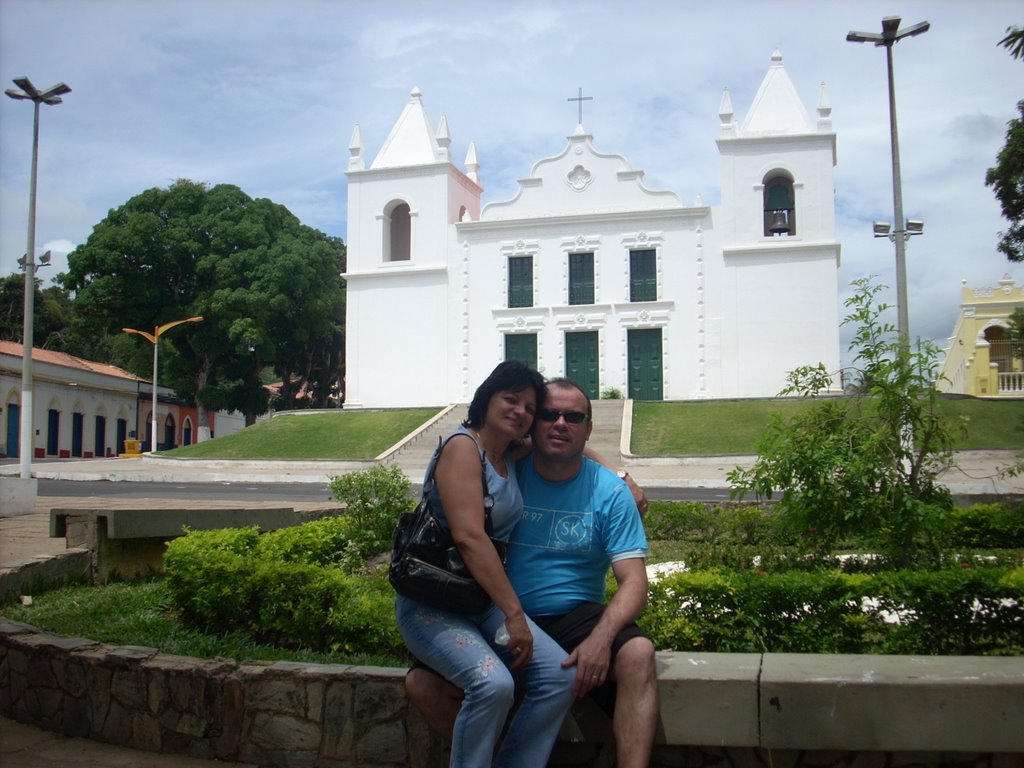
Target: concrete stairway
column 412, row 457
column 607, row 432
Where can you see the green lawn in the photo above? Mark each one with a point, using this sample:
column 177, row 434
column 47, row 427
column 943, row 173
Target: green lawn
column 692, row 428
column 711, row 427
column 352, row 435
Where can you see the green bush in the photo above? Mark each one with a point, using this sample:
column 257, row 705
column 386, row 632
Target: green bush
column 955, row 612
column 986, row 526
column 374, row 498
column 305, row 586
column 209, row 577
column 310, row 606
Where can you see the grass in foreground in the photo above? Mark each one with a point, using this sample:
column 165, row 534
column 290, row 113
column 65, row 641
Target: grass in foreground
column 138, row 613
column 345, row 435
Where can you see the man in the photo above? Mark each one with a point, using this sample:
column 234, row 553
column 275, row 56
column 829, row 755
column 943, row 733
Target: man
column 578, row 519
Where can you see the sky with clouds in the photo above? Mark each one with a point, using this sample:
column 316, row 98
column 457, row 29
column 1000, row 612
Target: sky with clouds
column 264, row 94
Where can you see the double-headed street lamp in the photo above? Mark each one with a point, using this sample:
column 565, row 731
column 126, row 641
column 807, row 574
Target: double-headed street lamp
column 154, row 339
column 51, row 96
column 892, row 34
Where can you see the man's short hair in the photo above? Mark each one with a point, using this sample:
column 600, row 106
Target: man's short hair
column 566, row 383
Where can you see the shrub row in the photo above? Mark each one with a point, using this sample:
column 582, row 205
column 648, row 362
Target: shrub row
column 979, row 526
column 753, row 590
column 956, row 611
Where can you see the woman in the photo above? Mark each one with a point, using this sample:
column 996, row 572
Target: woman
column 469, row 650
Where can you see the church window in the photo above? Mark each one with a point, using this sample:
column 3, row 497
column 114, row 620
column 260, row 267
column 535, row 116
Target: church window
column 643, row 284
column 581, row 278
column 398, row 228
column 520, row 281
column 779, row 205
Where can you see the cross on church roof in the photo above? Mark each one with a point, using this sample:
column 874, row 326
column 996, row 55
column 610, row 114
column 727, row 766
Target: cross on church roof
column 581, row 98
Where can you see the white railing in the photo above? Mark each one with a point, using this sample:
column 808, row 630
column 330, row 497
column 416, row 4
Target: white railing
column 1011, row 383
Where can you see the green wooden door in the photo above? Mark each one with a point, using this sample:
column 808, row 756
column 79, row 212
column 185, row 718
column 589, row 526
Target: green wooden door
column 522, row 347
column 645, row 367
column 581, row 350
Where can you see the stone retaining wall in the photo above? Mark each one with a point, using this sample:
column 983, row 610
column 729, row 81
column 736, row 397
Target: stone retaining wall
column 717, row 709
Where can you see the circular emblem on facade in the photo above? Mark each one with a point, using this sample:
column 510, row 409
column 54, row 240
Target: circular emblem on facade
column 580, row 319
column 520, row 322
column 581, row 241
column 579, row 178
column 642, row 237
column 520, row 245
column 645, row 316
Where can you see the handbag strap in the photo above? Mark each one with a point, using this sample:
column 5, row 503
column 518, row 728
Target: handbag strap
column 428, row 481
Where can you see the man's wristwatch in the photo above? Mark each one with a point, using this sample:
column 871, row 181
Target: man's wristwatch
column 623, row 474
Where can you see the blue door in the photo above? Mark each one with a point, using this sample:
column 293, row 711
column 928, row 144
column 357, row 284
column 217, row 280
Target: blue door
column 100, row 446
column 77, row 432
column 52, row 431
column 13, row 430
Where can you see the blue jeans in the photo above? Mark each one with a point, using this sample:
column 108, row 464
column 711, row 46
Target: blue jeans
column 461, row 648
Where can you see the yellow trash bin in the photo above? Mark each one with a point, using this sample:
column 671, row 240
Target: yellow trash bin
column 132, row 449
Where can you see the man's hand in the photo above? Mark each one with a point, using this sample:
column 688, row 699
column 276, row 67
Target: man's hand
column 638, row 494
column 592, row 659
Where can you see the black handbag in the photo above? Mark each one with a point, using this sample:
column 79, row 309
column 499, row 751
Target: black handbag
column 425, row 563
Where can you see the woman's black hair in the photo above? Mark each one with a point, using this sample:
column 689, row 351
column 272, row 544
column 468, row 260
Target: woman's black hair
column 511, row 375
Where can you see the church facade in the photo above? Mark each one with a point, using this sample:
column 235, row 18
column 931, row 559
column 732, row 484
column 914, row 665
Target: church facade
column 586, row 272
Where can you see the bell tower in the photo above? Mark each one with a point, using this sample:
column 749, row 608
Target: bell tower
column 402, row 212
column 777, row 227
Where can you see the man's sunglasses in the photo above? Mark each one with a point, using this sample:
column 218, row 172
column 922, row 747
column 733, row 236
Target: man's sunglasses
column 571, row 417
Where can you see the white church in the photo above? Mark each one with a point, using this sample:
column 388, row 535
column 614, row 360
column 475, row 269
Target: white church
column 586, row 272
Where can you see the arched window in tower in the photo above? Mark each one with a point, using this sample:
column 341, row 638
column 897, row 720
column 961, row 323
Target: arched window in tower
column 397, row 232
column 779, row 205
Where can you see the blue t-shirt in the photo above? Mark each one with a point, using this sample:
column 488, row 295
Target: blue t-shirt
column 508, row 501
column 570, row 534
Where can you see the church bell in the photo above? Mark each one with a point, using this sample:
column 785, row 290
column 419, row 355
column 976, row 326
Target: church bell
column 780, row 223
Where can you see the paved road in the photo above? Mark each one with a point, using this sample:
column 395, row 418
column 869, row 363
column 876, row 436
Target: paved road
column 281, row 492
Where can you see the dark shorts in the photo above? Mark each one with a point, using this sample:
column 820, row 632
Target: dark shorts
column 571, row 629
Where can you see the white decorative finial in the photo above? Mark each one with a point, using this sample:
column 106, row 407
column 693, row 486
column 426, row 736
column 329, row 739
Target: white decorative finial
column 472, row 166
column 355, row 150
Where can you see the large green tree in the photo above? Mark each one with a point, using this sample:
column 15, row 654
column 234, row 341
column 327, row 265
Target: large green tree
column 261, row 280
column 1007, row 176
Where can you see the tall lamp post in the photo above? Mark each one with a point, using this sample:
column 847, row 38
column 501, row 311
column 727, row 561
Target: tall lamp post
column 892, row 34
column 154, row 339
column 51, row 96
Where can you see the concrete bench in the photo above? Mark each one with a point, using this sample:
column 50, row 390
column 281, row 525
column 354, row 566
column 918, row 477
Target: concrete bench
column 130, row 542
column 830, row 704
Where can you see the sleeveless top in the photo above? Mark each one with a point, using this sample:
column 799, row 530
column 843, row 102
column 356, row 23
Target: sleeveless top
column 508, row 501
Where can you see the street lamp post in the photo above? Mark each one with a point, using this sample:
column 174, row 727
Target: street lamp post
column 892, row 34
column 51, row 96
column 154, row 339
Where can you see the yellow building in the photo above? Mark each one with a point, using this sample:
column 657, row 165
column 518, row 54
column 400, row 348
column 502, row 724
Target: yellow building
column 981, row 359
